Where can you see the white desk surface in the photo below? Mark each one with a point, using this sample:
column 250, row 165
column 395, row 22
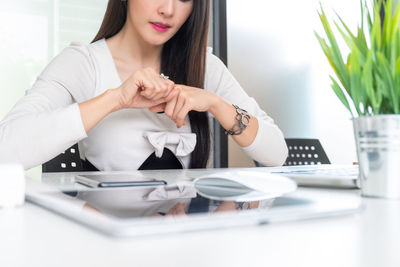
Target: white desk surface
column 33, row 236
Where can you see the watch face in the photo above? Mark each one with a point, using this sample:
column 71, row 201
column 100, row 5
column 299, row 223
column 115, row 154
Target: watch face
column 246, row 120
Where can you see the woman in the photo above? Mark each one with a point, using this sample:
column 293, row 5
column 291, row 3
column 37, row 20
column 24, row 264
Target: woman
column 141, row 91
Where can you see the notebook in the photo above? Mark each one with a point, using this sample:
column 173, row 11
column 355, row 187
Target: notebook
column 243, row 186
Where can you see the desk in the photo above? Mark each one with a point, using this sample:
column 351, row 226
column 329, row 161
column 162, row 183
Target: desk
column 33, row 236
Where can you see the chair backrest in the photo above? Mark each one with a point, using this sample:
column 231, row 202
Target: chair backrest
column 68, row 161
column 304, row 151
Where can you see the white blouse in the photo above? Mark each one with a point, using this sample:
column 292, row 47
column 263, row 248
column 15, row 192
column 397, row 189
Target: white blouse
column 47, row 120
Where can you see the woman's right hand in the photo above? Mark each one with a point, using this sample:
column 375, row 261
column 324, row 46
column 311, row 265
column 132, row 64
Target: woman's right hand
column 145, row 89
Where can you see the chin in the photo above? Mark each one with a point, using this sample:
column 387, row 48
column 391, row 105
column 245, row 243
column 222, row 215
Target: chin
column 156, row 43
column 157, row 40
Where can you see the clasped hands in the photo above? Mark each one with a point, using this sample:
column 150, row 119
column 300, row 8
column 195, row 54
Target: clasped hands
column 146, row 89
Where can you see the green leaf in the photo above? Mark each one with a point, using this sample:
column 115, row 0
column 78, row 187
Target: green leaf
column 336, row 58
column 368, row 84
column 376, row 34
column 369, row 19
column 386, row 22
column 394, row 38
column 351, row 40
column 327, row 51
column 356, row 92
column 362, row 14
column 385, row 74
column 339, row 93
column 397, row 80
column 394, row 22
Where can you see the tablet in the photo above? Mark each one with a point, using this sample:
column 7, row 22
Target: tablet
column 177, row 208
column 116, row 180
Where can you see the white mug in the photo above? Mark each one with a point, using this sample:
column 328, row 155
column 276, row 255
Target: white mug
column 12, row 185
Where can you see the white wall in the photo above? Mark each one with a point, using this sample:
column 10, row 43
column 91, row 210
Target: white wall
column 274, row 54
column 32, row 32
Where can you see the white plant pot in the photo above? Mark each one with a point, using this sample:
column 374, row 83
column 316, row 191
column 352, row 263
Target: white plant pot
column 378, row 150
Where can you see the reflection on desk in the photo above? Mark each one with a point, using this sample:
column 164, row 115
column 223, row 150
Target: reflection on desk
column 177, row 207
column 171, row 200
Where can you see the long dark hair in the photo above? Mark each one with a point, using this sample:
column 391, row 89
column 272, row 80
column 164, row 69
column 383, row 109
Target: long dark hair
column 183, row 60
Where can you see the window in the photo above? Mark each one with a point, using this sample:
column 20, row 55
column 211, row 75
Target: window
column 33, row 32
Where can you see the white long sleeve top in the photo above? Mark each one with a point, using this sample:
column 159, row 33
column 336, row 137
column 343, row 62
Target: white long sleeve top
column 47, row 120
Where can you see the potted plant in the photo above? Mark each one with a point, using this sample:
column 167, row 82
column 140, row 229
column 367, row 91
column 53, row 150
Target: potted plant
column 368, row 84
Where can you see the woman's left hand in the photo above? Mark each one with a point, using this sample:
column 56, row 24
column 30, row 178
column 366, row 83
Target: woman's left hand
column 187, row 99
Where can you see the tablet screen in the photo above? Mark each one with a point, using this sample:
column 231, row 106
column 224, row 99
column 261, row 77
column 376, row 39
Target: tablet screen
column 174, row 207
column 174, row 200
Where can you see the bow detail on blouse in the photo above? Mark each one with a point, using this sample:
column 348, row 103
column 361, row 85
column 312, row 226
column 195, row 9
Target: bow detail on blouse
column 172, row 192
column 181, row 144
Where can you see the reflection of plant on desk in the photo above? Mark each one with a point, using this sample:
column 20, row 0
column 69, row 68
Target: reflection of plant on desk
column 369, row 82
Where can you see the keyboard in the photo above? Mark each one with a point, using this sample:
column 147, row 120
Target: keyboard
column 334, row 176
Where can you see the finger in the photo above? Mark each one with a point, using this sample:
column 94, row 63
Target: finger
column 160, row 84
column 171, row 102
column 169, row 108
column 171, row 95
column 179, row 104
column 159, row 87
column 131, row 87
column 180, row 117
column 164, row 88
column 172, row 211
column 160, row 92
column 153, row 88
column 158, row 108
column 141, row 81
column 148, row 90
column 180, row 209
column 171, row 87
column 157, row 102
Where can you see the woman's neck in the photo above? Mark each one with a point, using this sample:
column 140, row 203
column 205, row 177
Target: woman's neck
column 127, row 47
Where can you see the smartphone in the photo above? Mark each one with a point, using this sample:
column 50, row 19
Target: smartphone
column 116, row 180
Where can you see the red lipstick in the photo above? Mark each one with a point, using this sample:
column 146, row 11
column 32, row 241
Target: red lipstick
column 160, row 27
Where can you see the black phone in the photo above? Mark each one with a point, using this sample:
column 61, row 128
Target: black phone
column 116, row 180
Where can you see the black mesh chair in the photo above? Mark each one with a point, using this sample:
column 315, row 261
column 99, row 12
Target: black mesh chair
column 304, row 152
column 68, row 161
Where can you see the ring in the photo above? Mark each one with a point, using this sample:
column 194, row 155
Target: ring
column 164, row 76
